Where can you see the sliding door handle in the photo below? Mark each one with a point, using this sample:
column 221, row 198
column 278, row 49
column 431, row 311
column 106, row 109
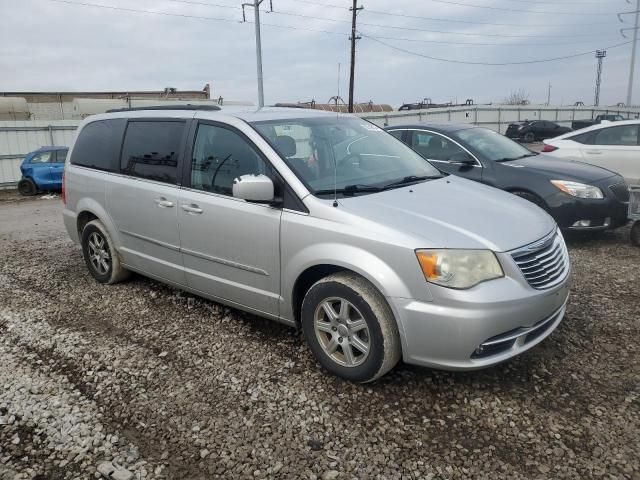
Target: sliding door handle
column 193, row 208
column 162, row 202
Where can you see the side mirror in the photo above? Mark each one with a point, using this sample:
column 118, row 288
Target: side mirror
column 254, row 188
column 462, row 158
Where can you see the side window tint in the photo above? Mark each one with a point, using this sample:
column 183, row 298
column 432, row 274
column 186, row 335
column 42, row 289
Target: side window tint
column 98, row 145
column 622, row 135
column 61, row 155
column 434, row 147
column 151, row 150
column 44, row 157
column 584, row 138
column 397, row 133
column 221, row 155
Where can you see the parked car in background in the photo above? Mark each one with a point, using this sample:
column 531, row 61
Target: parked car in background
column 615, row 146
column 579, row 124
column 42, row 170
column 535, row 130
column 320, row 221
column 578, row 196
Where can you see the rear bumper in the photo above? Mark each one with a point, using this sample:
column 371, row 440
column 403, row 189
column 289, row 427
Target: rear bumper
column 71, row 224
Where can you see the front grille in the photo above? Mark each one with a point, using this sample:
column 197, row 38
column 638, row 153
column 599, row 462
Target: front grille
column 621, row 191
column 544, row 264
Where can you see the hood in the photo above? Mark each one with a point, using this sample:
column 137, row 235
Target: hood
column 453, row 212
column 562, row 169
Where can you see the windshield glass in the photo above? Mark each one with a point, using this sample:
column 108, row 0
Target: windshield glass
column 349, row 151
column 491, row 144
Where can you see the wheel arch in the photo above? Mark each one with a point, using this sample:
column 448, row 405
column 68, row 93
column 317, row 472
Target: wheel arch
column 88, row 210
column 370, row 267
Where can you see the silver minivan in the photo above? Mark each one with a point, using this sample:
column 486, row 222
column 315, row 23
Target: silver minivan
column 323, row 222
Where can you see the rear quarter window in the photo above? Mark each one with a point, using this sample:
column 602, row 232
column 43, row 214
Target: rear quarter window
column 98, row 145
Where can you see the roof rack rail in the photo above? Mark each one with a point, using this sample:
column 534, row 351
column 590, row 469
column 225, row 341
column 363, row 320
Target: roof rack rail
column 210, row 108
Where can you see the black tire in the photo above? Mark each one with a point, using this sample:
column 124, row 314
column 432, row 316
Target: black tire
column 101, row 258
column 529, row 137
column 635, row 233
column 27, row 187
column 532, row 197
column 366, row 303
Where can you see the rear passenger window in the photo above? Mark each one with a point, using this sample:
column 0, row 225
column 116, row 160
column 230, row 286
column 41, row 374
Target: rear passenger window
column 98, row 145
column 151, row 150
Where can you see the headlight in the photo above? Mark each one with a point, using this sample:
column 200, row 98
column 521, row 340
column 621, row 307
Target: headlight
column 459, row 268
column 576, row 189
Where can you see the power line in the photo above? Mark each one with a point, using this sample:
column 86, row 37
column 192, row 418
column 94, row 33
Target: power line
column 449, row 60
column 477, row 44
column 469, row 5
column 449, row 20
column 413, row 29
column 197, row 17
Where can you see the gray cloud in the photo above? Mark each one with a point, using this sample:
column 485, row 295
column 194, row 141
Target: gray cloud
column 70, row 47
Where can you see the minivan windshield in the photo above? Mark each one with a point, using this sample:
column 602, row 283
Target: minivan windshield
column 491, row 145
column 347, row 153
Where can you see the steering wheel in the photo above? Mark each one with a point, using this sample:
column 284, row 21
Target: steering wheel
column 344, row 160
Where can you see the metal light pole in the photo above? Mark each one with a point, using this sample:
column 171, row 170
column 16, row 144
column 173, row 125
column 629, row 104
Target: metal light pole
column 633, row 56
column 256, row 9
column 259, row 53
column 600, row 54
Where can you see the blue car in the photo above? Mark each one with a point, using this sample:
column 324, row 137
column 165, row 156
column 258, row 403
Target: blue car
column 42, row 170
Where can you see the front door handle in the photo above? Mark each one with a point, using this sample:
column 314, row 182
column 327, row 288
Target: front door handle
column 594, row 152
column 193, row 208
column 162, row 202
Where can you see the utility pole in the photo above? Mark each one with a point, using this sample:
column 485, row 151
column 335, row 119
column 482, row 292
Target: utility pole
column 354, row 13
column 256, row 7
column 600, row 54
column 549, row 95
column 633, row 47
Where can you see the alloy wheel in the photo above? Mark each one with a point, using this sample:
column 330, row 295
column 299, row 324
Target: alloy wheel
column 98, row 253
column 342, row 332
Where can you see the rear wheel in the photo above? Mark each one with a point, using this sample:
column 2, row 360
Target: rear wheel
column 99, row 254
column 27, row 187
column 350, row 328
column 635, row 233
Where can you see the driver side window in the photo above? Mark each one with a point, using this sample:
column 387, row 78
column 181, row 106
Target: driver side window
column 220, row 156
column 434, row 147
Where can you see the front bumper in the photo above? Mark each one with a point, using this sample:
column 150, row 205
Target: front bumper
column 603, row 214
column 482, row 326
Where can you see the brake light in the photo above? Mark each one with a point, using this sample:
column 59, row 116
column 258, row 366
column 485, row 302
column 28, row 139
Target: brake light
column 549, row 148
column 63, row 194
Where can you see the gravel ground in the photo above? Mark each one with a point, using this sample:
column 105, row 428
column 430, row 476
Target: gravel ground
column 173, row 386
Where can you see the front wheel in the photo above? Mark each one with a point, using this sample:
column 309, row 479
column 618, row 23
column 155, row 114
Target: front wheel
column 533, row 198
column 530, row 137
column 100, row 255
column 350, row 328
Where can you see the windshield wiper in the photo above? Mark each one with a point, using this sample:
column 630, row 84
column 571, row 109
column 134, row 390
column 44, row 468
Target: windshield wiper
column 351, row 189
column 509, row 159
column 411, row 179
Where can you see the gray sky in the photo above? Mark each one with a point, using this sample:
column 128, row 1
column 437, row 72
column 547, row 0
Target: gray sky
column 45, row 45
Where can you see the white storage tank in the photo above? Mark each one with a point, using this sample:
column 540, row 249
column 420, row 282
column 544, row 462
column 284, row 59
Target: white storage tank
column 14, row 108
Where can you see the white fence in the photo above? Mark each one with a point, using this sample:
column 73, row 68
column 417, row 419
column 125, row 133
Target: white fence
column 17, row 138
column 497, row 117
